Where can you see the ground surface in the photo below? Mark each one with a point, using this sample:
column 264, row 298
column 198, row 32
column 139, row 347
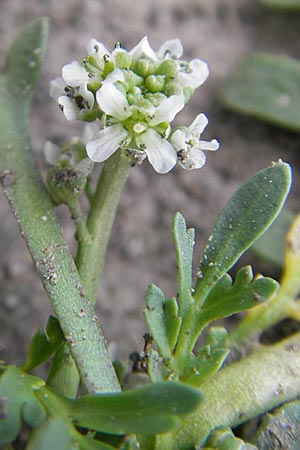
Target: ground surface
column 141, row 251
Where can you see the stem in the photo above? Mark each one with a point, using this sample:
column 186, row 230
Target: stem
column 34, row 212
column 246, row 389
column 91, row 253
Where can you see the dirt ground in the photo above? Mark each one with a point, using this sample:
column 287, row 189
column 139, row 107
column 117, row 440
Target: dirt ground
column 141, row 251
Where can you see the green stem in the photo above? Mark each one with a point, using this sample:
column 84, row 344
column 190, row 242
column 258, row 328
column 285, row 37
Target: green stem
column 240, row 392
column 91, row 253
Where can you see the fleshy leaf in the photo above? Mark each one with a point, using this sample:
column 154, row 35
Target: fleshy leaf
column 17, row 402
column 162, row 320
column 54, row 433
column 205, row 364
column 267, row 87
column 184, row 243
column 226, row 298
column 248, row 214
column 43, row 345
column 153, row 409
column 25, row 58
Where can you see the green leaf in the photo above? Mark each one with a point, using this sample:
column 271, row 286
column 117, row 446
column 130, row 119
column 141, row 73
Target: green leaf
column 17, row 402
column 248, row 214
column 53, row 434
column 43, row 345
column 205, row 364
column 271, row 245
column 280, row 429
column 267, row 87
column 162, row 320
column 226, row 298
column 184, row 241
column 153, row 409
column 281, row 5
column 25, row 58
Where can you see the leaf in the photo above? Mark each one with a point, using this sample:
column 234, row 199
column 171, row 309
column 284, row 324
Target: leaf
column 267, row 87
column 162, row 320
column 153, row 409
column 205, row 364
column 226, row 298
column 281, row 5
column 24, row 59
column 271, row 245
column 184, row 241
column 248, row 214
column 53, row 434
column 43, row 345
column 280, row 429
column 17, row 402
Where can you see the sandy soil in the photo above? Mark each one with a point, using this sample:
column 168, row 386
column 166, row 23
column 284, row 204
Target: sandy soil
column 141, row 250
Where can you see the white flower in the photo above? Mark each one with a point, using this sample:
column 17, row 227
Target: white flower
column 192, row 74
column 143, row 129
column 190, row 147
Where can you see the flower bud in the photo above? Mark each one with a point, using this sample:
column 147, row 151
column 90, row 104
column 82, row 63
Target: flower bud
column 89, row 115
column 155, row 83
column 122, row 59
column 143, row 67
column 173, row 88
column 65, row 183
column 168, row 68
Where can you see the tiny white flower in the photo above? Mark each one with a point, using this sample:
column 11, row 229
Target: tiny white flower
column 190, row 147
column 137, row 128
column 170, row 49
column 193, row 74
column 74, row 74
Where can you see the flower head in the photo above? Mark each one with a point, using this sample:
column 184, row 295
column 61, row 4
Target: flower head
column 135, row 95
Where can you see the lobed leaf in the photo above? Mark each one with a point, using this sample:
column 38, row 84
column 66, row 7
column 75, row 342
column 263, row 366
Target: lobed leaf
column 226, row 298
column 205, row 364
column 224, row 439
column 248, row 214
column 267, row 87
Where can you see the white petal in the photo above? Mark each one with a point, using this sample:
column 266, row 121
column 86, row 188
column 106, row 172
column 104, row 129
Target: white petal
column 87, row 95
column 57, row 87
column 198, row 125
column 160, row 152
column 212, row 145
column 74, row 74
column 168, row 109
column 115, row 75
column 70, row 109
column 178, row 140
column 52, row 153
column 113, row 102
column 85, row 166
column 170, row 49
column 89, row 132
column 143, row 49
column 105, row 142
column 194, row 160
column 196, row 75
column 96, row 46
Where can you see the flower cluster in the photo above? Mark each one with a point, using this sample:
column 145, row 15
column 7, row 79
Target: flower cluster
column 135, row 95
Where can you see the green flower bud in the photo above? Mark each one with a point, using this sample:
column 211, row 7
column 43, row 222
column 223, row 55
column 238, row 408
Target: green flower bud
column 143, row 67
column 155, row 83
column 89, row 115
column 65, row 184
column 167, row 68
column 133, row 96
column 122, row 59
column 173, row 88
column 108, row 66
column 155, row 98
